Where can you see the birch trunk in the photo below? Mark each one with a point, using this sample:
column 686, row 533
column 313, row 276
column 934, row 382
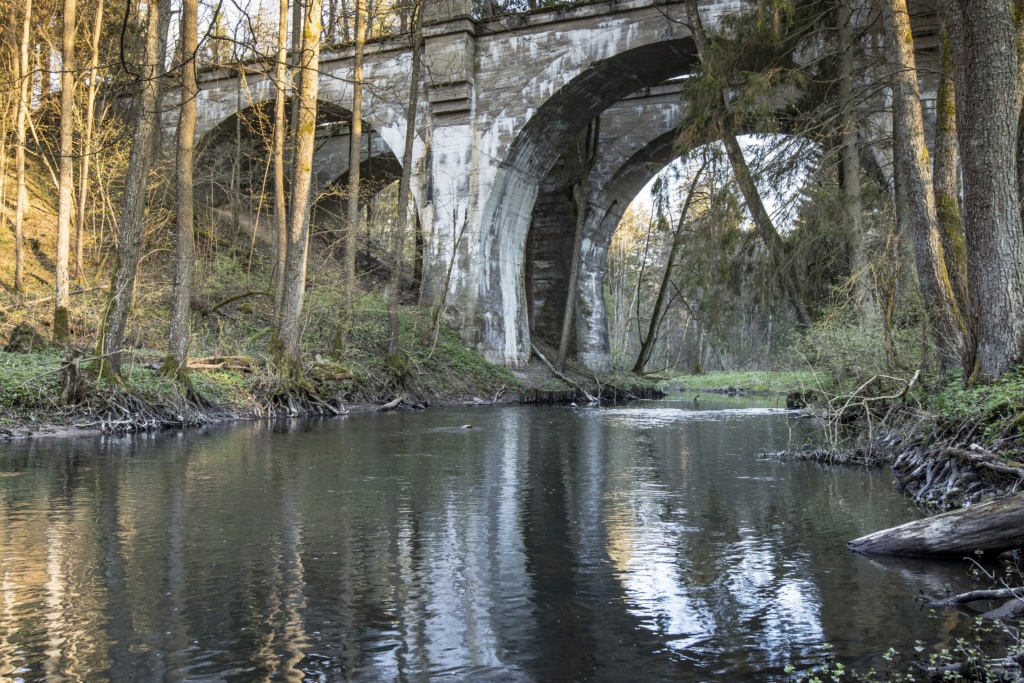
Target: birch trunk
column 65, row 189
column 355, row 149
column 287, row 343
column 184, row 246
column 914, row 167
column 280, row 205
column 404, row 186
column 90, row 118
column 19, row 154
column 129, row 244
column 985, row 62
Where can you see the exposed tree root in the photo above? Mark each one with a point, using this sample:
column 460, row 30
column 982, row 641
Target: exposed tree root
column 293, row 395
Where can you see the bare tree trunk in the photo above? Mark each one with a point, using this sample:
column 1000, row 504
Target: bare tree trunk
column 90, row 117
column 288, row 336
column 1019, row 16
column 947, row 190
column 580, row 192
column 647, row 345
column 65, row 190
column 129, row 243
column 184, row 246
column 280, row 205
column 22, row 190
column 355, row 149
column 762, row 221
column 404, row 184
column 851, row 160
column 912, row 165
column 985, row 60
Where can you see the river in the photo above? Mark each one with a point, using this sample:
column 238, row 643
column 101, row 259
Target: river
column 644, row 542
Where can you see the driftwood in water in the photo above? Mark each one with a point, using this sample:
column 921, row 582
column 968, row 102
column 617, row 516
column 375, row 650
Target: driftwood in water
column 991, row 527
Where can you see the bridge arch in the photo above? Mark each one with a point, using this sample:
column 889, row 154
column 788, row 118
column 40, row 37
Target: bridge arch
column 218, row 148
column 504, row 334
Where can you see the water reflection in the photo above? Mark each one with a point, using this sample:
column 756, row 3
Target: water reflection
column 634, row 543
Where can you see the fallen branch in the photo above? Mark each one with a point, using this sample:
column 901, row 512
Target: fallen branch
column 398, row 401
column 989, row 527
column 972, row 596
column 44, row 299
column 240, row 363
column 230, row 299
column 560, row 375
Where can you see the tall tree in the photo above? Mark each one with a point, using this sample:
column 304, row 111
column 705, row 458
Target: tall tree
column 763, row 223
column 65, row 190
column 985, row 62
column 404, row 183
column 25, row 80
column 90, row 120
column 914, row 170
column 286, row 344
column 129, row 242
column 184, row 246
column 354, row 159
column 850, row 155
column 280, row 203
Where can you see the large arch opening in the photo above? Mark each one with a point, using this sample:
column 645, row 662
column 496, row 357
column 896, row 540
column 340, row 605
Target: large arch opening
column 503, row 333
column 234, row 185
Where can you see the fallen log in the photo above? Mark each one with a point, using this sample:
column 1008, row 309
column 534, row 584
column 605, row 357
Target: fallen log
column 995, row 526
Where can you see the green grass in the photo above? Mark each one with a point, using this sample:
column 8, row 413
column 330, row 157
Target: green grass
column 998, row 406
column 755, row 381
column 28, row 382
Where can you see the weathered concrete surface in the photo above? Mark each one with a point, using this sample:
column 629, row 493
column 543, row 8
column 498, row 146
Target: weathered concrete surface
column 503, row 100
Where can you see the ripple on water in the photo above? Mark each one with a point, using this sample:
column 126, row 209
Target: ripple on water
column 660, row 417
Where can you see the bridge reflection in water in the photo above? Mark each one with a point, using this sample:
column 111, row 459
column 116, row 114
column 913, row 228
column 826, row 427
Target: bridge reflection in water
column 633, row 543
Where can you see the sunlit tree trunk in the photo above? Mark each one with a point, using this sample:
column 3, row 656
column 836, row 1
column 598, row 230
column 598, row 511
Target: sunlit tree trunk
column 19, row 160
column 985, row 61
column 404, row 187
column 184, row 246
column 355, row 149
column 129, row 243
column 946, row 180
column 65, row 189
column 90, row 117
column 744, row 178
column 280, row 206
column 914, row 167
column 286, row 344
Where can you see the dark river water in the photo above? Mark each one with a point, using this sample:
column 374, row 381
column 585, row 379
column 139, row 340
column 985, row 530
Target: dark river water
column 645, row 542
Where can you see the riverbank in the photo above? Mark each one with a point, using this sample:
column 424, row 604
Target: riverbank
column 51, row 391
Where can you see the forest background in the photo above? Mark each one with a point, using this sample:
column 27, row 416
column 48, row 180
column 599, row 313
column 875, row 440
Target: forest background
column 154, row 278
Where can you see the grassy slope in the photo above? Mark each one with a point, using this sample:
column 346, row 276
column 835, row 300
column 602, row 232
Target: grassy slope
column 757, row 381
column 229, row 263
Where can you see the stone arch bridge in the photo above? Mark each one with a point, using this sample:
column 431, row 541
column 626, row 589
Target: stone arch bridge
column 501, row 101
